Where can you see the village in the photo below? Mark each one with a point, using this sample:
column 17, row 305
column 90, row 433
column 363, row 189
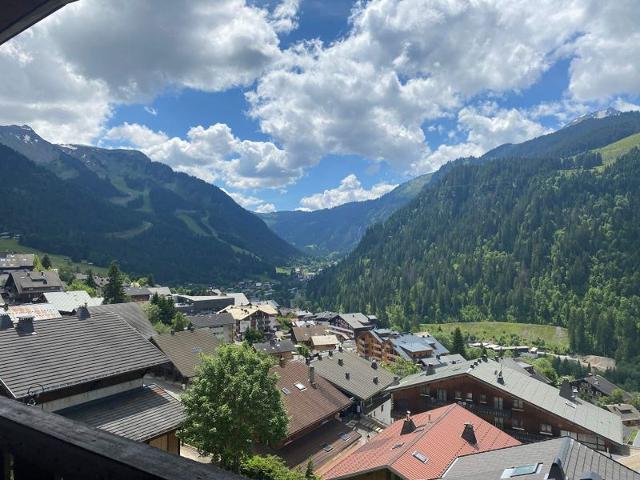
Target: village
column 361, row 400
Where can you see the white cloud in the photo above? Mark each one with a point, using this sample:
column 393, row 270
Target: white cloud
column 64, row 75
column 213, row 154
column 151, row 111
column 251, row 203
column 485, row 127
column 625, row 106
column 349, row 190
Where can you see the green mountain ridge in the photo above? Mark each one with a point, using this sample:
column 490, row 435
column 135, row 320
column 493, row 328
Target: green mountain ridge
column 98, row 204
column 334, row 232
column 546, row 236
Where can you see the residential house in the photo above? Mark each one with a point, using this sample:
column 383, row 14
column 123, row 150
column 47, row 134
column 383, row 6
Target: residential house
column 138, row 294
column 302, row 335
column 184, row 350
column 628, row 414
column 364, row 381
column 422, row 447
column 67, row 303
column 198, row 304
column 16, row 261
column 281, row 349
column 526, row 408
column 26, row 287
column 594, row 386
column 222, row 325
column 324, row 343
column 350, row 324
column 525, row 368
column 313, row 406
column 387, row 345
column 325, row 317
column 556, row 459
column 239, row 298
column 85, row 366
column 132, row 313
column 160, row 291
column 249, row 316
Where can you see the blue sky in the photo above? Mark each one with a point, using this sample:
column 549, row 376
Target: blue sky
column 308, row 104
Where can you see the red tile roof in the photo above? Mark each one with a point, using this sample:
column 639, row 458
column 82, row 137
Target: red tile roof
column 311, row 404
column 437, row 437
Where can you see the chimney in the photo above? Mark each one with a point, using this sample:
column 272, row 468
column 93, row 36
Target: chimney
column 430, row 369
column 340, row 348
column 347, row 375
column 500, row 377
column 25, row 325
column 341, row 362
column 566, row 391
column 5, row 321
column 312, row 376
column 331, row 353
column 83, row 312
column 376, row 380
column 408, row 426
column 374, row 365
column 469, row 434
column 283, row 362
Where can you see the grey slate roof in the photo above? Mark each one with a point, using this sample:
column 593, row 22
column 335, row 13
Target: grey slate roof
column 137, row 291
column 36, row 281
column 355, row 320
column 560, row 455
column 69, row 351
column 275, row 346
column 604, row 386
column 409, row 342
column 68, row 302
column 532, row 391
column 132, row 313
column 184, row 348
column 360, row 383
column 139, row 414
column 16, row 260
column 211, row 320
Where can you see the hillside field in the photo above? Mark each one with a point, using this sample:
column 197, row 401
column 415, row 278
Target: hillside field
column 505, row 333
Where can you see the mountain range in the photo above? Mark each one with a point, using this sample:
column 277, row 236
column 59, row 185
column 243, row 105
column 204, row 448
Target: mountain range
column 543, row 232
column 334, row 232
column 99, row 204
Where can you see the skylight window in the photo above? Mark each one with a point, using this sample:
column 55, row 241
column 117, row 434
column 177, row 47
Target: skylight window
column 521, row 470
column 420, row 456
column 286, row 391
column 300, row 387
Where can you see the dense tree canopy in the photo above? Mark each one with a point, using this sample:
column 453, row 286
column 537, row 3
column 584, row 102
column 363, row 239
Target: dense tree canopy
column 233, row 402
column 537, row 240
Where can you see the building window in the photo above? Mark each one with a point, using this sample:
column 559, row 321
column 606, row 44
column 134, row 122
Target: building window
column 483, row 398
column 497, row 403
column 517, row 423
column 442, row 395
column 545, row 429
column 458, row 395
column 424, row 390
column 518, row 404
column 498, row 422
column 469, row 397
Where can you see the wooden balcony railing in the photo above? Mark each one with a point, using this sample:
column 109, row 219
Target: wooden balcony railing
column 35, row 444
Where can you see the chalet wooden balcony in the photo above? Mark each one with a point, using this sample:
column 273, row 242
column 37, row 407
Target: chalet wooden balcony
column 526, row 437
column 486, row 410
column 38, row 445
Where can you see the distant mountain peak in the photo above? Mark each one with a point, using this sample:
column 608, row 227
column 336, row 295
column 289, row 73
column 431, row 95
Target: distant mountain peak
column 598, row 114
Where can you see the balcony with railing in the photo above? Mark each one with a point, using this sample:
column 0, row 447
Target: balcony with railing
column 35, row 444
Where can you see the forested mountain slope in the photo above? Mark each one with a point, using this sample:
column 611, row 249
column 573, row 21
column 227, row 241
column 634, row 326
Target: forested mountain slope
column 97, row 205
column 334, row 232
column 545, row 240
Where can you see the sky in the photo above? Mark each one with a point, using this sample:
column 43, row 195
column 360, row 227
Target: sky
column 308, row 104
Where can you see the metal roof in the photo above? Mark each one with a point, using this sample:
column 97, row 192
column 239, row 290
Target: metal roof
column 36, row 281
column 355, row 320
column 361, row 374
column 68, row 302
column 16, row 260
column 139, row 414
column 68, row 351
column 539, row 394
column 39, row 311
column 132, row 313
column 568, row 455
column 185, row 348
column 275, row 346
